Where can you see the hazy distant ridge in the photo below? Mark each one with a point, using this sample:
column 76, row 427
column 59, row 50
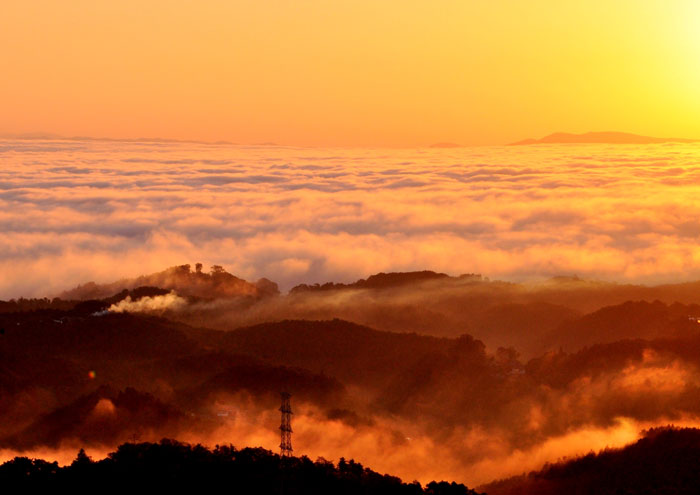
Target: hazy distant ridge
column 601, row 137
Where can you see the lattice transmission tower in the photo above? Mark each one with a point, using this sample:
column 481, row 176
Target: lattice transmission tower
column 286, row 426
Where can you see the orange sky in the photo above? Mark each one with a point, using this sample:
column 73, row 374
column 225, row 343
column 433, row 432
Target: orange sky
column 349, row 72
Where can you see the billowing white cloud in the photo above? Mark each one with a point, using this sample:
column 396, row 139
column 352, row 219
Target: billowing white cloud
column 73, row 211
column 148, row 304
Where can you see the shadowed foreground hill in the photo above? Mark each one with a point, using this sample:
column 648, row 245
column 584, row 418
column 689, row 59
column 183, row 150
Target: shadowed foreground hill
column 174, row 465
column 665, row 460
column 84, row 376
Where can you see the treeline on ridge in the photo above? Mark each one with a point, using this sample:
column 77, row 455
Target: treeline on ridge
column 174, row 465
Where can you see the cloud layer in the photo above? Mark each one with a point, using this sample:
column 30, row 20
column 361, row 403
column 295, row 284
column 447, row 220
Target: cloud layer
column 73, row 211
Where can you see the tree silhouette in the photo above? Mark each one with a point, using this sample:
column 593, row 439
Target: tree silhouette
column 171, row 465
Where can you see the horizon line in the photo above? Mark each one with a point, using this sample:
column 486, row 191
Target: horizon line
column 38, row 136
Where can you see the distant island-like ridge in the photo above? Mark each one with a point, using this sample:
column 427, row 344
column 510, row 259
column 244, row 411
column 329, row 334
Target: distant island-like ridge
column 601, row 138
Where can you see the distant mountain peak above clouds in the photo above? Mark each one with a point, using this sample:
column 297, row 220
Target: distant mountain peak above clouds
column 601, row 138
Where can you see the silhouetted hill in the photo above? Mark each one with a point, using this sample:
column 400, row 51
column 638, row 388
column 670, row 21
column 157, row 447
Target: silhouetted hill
column 264, row 382
column 451, row 381
column 529, row 325
column 111, row 336
column 84, row 307
column 52, row 364
column 534, row 318
column 449, row 385
column 381, row 281
column 629, row 320
column 218, row 283
column 601, row 137
column 46, row 358
column 665, row 460
column 104, row 417
column 394, row 391
column 353, row 353
column 23, row 304
column 174, row 466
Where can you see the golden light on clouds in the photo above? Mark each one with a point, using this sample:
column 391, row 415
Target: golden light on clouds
column 356, row 72
column 288, row 143
column 68, row 209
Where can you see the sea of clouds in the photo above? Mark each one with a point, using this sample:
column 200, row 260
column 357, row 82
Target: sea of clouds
column 72, row 211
